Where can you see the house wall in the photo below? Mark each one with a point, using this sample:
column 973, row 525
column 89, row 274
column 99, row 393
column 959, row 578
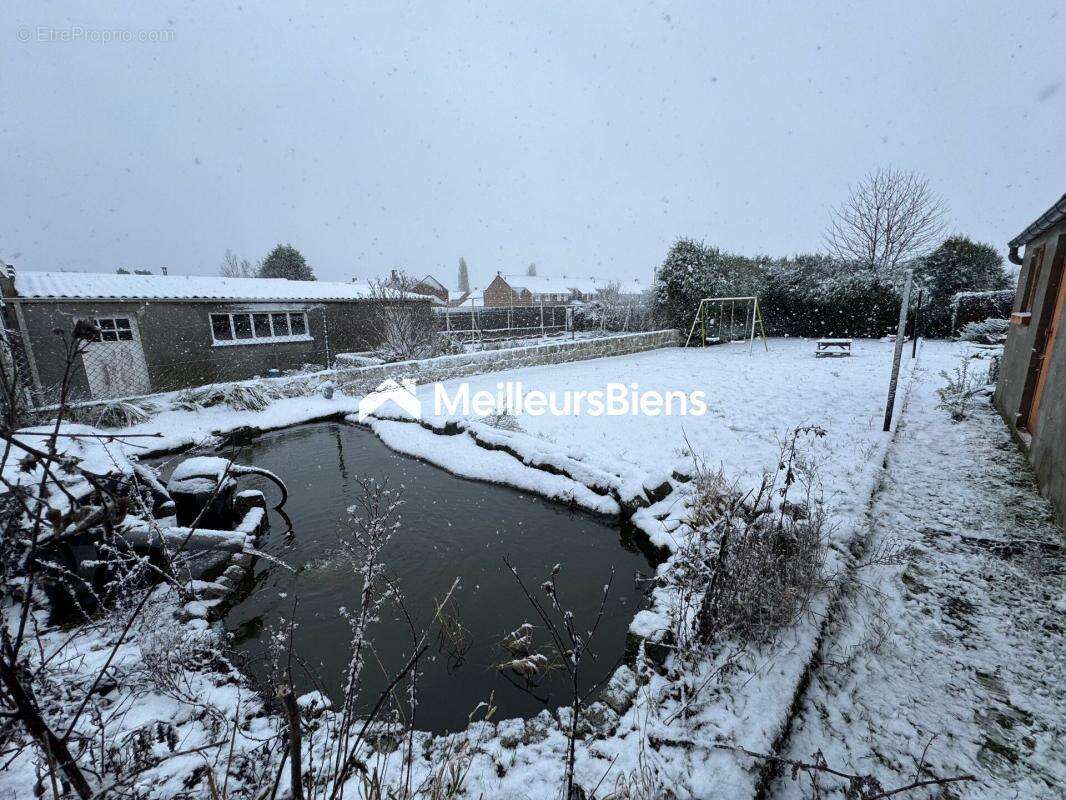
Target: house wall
column 1046, row 443
column 178, row 347
column 499, row 294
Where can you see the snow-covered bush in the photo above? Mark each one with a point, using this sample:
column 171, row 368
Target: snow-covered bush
column 238, row 396
column 116, row 413
column 754, row 562
column 610, row 309
column 958, row 265
column 816, row 295
column 692, row 271
column 957, row 396
column 989, row 331
column 977, row 306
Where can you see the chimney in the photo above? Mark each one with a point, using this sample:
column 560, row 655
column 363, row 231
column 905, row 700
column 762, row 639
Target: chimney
column 7, row 280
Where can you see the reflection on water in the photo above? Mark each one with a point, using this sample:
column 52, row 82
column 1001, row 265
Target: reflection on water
column 452, row 528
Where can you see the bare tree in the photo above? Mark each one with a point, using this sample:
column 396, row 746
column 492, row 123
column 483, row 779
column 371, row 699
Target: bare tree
column 401, row 328
column 234, row 266
column 890, row 217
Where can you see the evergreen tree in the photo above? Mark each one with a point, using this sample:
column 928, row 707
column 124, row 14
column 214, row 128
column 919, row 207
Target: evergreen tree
column 464, row 276
column 693, row 271
column 958, row 265
column 531, row 270
column 285, row 261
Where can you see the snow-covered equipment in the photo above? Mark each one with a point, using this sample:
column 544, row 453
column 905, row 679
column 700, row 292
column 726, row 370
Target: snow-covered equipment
column 202, row 489
column 727, row 319
column 833, row 347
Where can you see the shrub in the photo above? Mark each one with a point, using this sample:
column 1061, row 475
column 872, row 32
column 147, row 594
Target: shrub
column 957, row 396
column 816, row 295
column 977, row 306
column 122, row 413
column 754, row 561
column 957, row 265
column 989, row 331
column 238, row 396
column 692, row 271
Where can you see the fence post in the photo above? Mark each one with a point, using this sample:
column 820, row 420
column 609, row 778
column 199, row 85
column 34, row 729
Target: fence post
column 917, row 322
column 901, row 331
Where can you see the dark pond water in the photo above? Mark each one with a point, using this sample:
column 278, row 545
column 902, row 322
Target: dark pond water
column 451, row 527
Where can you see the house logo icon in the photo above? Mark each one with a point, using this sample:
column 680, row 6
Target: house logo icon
column 402, row 394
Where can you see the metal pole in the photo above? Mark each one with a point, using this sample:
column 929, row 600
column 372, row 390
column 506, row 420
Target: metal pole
column 901, row 330
column 917, row 323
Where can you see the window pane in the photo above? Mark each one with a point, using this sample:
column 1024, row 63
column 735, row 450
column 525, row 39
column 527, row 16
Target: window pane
column 262, row 325
column 123, row 323
column 126, row 336
column 242, row 325
column 220, row 327
column 299, row 325
column 106, row 323
column 281, row 324
column 110, row 336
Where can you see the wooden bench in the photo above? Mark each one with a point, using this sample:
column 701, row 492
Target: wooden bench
column 833, row 347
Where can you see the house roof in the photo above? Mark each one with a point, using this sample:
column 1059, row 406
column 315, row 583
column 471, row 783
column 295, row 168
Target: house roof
column 543, row 284
column 538, row 284
column 107, row 286
column 1049, row 219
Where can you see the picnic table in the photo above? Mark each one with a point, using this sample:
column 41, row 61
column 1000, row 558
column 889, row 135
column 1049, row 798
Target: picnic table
column 833, row 347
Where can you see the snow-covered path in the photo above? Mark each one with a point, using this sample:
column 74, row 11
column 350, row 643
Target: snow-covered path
column 964, row 642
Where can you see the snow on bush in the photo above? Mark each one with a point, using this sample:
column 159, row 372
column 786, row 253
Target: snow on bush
column 988, row 331
column 238, row 396
column 958, row 396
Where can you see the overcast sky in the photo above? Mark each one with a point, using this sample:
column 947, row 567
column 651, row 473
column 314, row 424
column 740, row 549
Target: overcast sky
column 581, row 136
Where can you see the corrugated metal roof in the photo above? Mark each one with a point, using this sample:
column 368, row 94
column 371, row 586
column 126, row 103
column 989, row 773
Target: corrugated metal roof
column 105, row 286
column 1050, row 218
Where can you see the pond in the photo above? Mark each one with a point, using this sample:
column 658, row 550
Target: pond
column 451, row 528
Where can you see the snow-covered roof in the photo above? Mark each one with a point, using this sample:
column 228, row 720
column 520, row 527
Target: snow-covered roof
column 543, row 284
column 107, row 286
column 538, row 284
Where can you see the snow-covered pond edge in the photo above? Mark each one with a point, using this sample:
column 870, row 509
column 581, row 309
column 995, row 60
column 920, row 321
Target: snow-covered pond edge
column 752, row 710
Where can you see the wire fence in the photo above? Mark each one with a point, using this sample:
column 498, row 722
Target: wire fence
column 115, row 367
column 513, row 322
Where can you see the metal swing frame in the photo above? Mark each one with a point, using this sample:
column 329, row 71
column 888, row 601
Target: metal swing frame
column 751, row 309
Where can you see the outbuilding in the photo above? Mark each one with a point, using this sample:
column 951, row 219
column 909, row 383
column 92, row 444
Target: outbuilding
column 1031, row 392
column 164, row 332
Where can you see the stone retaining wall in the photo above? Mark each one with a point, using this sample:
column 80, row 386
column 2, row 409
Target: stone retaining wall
column 359, row 380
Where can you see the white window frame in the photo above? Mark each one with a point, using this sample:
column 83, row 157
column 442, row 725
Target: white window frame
column 272, row 339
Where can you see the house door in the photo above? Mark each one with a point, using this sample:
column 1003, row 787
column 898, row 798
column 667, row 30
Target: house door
column 1049, row 345
column 1049, row 323
column 114, row 363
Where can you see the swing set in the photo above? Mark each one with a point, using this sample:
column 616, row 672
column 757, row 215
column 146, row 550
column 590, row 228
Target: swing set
column 719, row 322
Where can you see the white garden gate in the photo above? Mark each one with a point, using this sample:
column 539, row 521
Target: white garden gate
column 114, row 363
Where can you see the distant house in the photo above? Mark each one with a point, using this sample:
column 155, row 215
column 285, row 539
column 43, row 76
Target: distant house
column 430, row 287
column 159, row 333
column 535, row 290
column 1031, row 393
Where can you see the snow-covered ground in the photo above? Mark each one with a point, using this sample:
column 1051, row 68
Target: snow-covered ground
column 666, row 739
column 961, row 650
